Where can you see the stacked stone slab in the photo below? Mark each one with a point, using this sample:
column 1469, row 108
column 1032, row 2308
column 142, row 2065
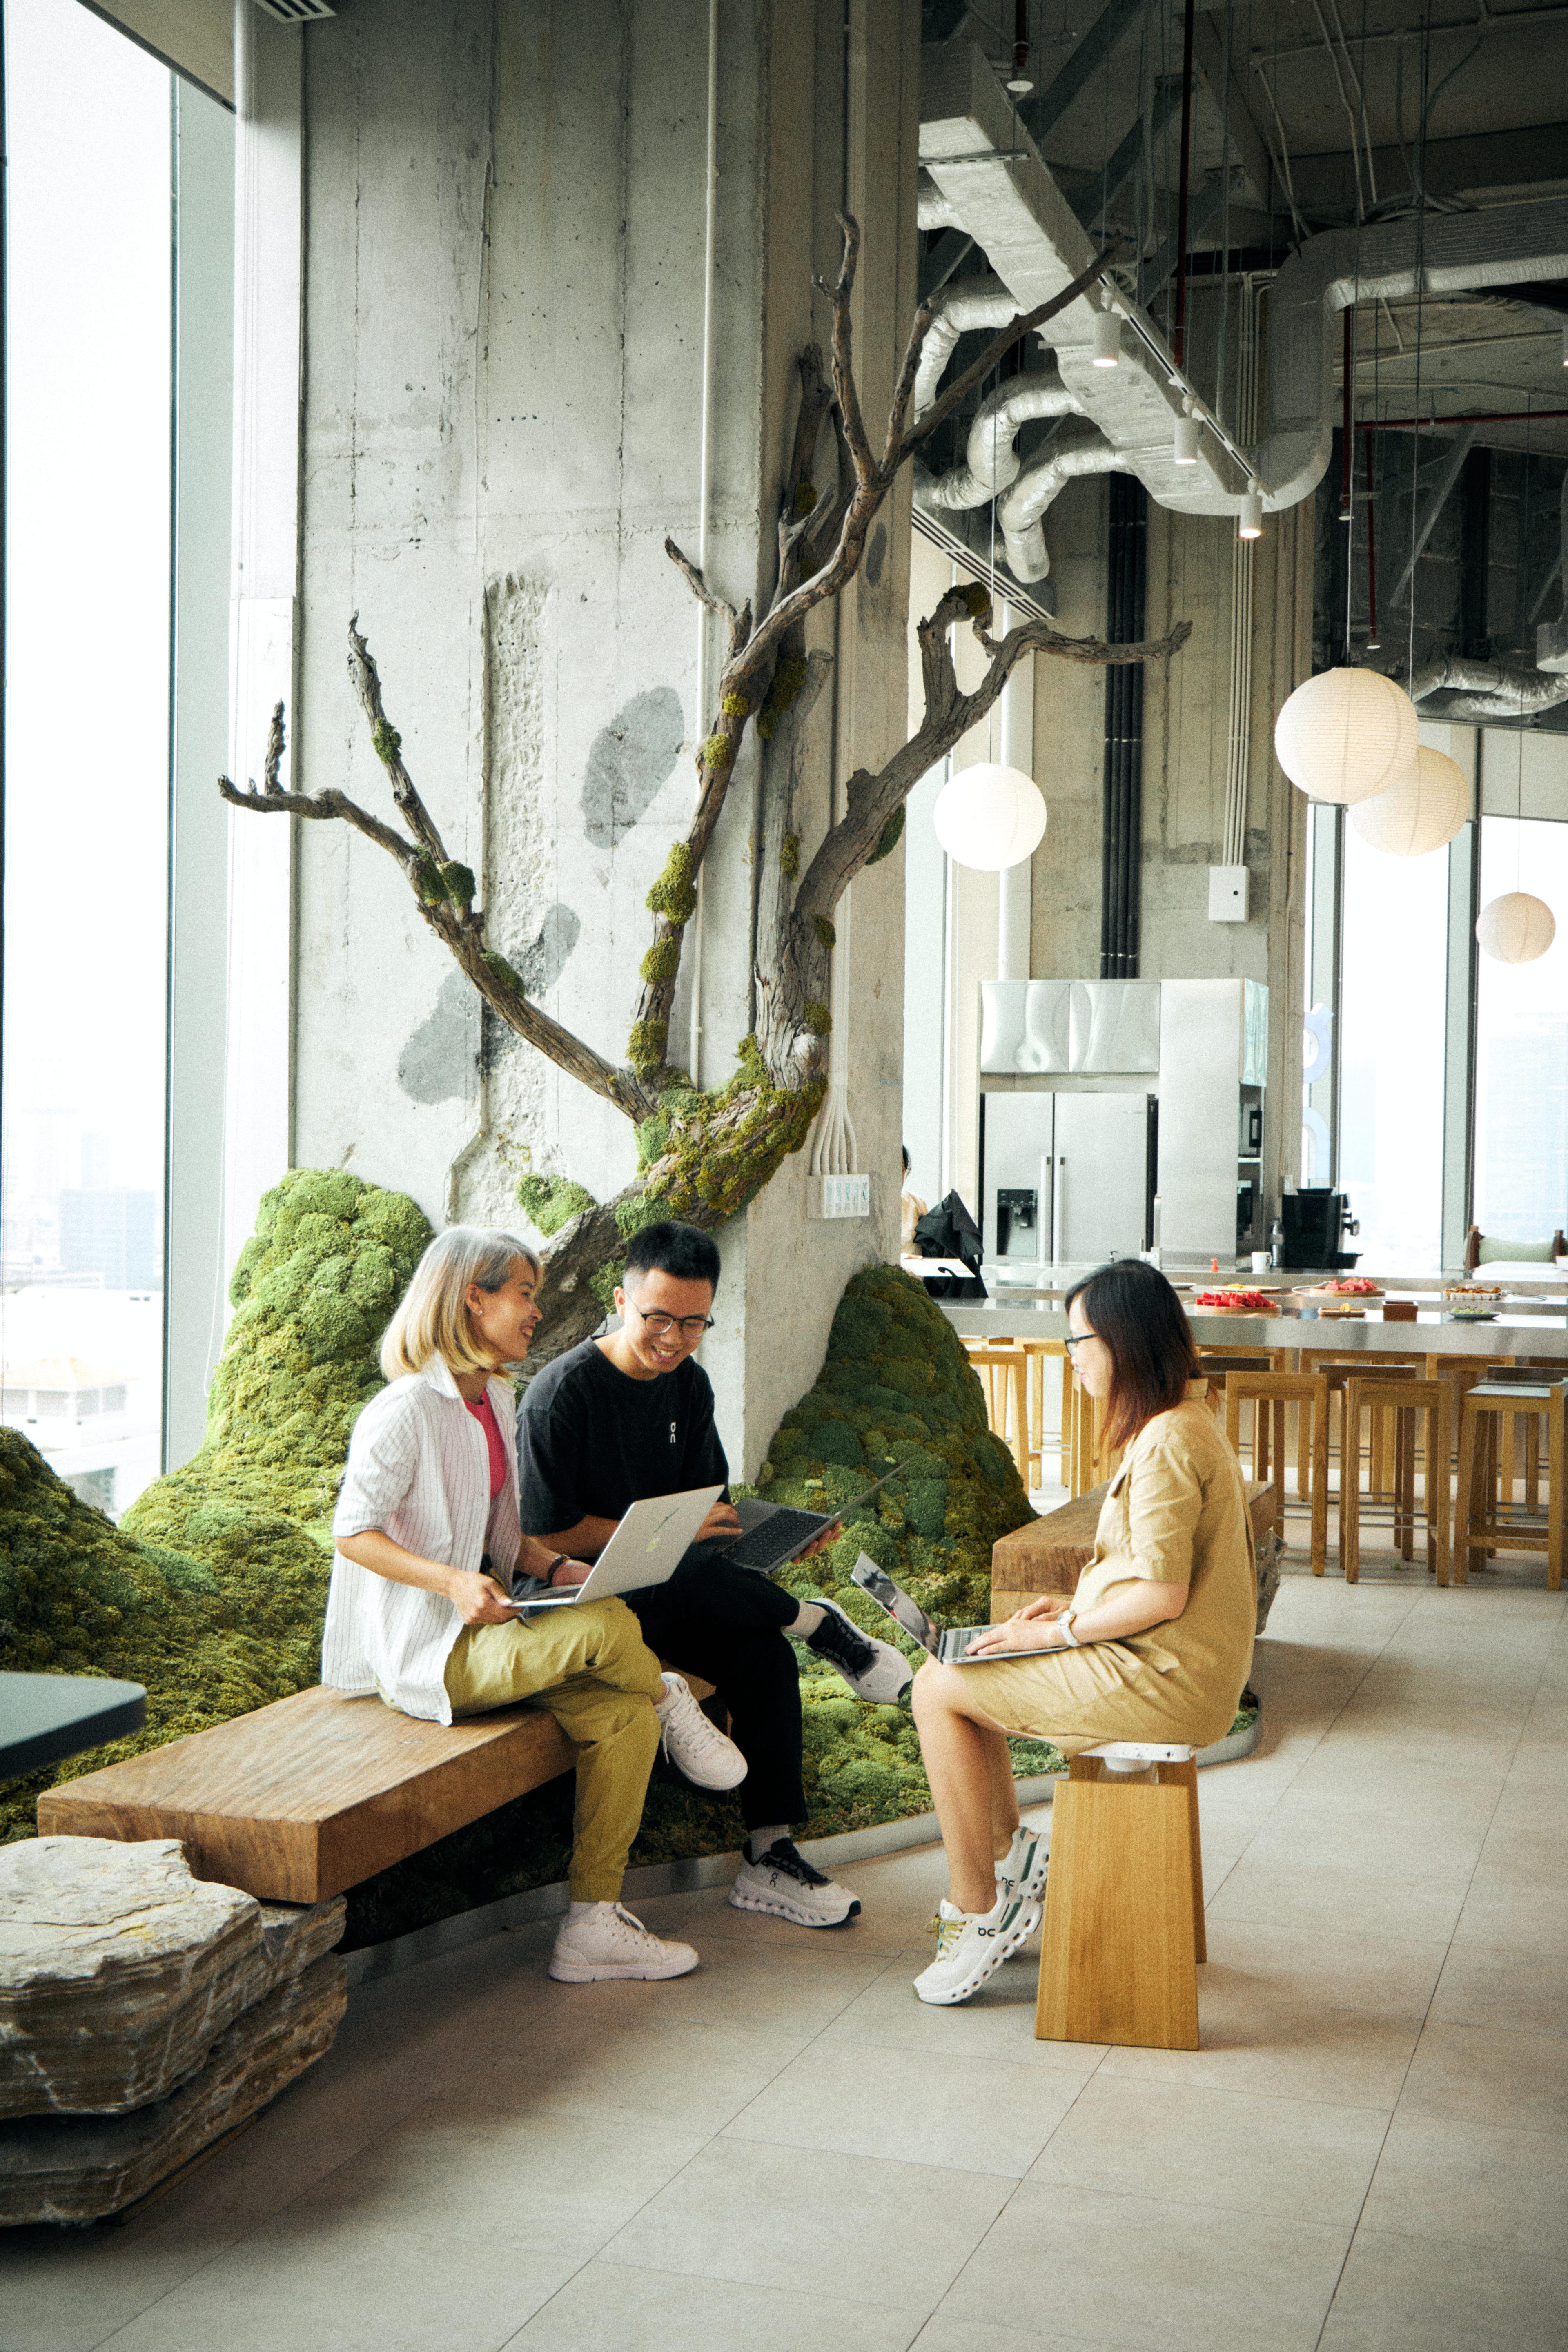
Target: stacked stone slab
column 144, row 2014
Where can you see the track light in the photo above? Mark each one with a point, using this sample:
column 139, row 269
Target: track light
column 1249, row 522
column 1185, row 442
column 1106, row 339
column 1565, row 342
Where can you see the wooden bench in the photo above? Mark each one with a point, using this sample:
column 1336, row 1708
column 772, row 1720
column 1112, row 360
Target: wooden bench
column 304, row 1798
column 1051, row 1553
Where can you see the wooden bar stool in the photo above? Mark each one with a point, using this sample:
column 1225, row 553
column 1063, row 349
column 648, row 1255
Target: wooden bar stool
column 1308, row 1392
column 1004, row 1376
column 1217, row 1364
column 1485, row 1522
column 1404, row 1398
column 1124, row 1901
column 1037, row 1355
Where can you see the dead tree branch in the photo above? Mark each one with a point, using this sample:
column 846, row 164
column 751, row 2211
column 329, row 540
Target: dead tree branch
column 749, row 675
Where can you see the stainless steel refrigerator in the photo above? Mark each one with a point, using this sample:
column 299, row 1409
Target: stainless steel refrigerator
column 1067, row 1179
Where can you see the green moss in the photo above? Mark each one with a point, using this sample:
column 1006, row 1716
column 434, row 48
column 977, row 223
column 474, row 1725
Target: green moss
column 645, row 1046
column 816, row 1018
column 604, row 1281
column 428, row 881
column 662, row 961
column 718, row 751
column 890, row 837
column 632, row 1215
column 386, row 740
column 827, row 936
column 788, row 678
column 805, row 498
column 458, row 881
column 213, row 1590
column 552, row 1202
column 497, row 966
column 735, row 706
column 674, row 894
column 977, row 602
column 789, row 856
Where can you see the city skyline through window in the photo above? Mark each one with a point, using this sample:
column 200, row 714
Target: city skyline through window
column 88, row 391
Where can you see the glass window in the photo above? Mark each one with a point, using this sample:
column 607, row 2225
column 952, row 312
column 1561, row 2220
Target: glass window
column 1522, row 1046
column 87, row 392
column 1394, row 967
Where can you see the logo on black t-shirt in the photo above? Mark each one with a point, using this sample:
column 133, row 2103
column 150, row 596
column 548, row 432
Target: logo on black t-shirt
column 673, row 1437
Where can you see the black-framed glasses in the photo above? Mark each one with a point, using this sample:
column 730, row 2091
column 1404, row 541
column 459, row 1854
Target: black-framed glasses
column 1077, row 1339
column 691, row 1327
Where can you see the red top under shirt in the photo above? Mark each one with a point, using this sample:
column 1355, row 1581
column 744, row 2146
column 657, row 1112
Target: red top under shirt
column 484, row 1412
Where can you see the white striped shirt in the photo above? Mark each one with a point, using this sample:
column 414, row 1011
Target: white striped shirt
column 418, row 1471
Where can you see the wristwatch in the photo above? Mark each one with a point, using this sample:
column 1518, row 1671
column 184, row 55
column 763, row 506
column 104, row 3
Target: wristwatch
column 1064, row 1627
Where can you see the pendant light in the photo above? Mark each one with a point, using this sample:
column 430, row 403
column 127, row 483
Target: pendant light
column 1106, row 349
column 1516, row 928
column 1249, row 515
column 1346, row 734
column 990, row 818
column 1424, row 811
column 1185, row 441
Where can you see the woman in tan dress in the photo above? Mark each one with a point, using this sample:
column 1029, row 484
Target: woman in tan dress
column 1154, row 1644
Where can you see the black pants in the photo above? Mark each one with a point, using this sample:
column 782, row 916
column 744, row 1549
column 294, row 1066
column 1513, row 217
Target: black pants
column 724, row 1622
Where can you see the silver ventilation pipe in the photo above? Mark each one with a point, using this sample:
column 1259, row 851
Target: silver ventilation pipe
column 992, row 460
column 1551, row 636
column 1076, row 451
column 1486, row 691
column 974, row 304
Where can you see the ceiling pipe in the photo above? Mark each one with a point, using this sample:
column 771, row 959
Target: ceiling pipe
column 974, row 304
column 1184, row 184
column 992, row 460
column 1079, row 449
column 1551, row 636
column 1485, row 690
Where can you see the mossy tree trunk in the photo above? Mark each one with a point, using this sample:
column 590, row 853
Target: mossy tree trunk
column 704, row 1154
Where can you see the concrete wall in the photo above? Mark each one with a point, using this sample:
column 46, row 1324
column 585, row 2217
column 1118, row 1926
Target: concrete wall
column 503, row 378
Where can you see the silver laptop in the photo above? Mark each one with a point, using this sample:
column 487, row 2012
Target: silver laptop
column 772, row 1533
column 647, row 1548
column 948, row 1646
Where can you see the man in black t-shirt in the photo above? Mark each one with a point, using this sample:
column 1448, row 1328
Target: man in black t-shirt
column 631, row 1415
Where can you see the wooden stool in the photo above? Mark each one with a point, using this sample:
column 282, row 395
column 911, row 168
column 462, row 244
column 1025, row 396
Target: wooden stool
column 1272, row 1392
column 1124, row 1901
column 1484, row 1522
column 1004, row 1376
column 1036, row 1354
column 1405, row 1396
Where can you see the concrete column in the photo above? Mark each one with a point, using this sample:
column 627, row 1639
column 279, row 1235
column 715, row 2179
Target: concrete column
column 504, row 325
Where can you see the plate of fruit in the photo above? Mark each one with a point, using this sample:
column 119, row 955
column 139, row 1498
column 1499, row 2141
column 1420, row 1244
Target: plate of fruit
column 1345, row 1286
column 1235, row 1302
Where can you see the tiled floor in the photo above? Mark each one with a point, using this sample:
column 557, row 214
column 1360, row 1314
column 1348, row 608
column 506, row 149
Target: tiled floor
column 1369, row 2153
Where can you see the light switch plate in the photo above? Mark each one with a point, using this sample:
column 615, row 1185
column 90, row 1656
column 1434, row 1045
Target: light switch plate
column 845, row 1196
column 1227, row 894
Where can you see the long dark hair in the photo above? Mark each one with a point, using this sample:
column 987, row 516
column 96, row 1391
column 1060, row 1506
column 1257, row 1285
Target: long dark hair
column 1132, row 1307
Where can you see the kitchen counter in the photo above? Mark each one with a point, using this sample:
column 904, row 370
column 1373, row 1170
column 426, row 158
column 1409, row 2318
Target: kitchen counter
column 1523, row 1330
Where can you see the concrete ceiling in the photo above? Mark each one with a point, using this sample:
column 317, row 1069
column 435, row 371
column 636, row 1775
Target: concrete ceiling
column 1313, row 137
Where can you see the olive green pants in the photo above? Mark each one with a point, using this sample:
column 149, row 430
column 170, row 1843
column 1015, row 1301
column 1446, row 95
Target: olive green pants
column 591, row 1669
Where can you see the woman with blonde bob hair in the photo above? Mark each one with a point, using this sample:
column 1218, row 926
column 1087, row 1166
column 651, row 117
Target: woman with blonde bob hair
column 1155, row 1643
column 431, row 1565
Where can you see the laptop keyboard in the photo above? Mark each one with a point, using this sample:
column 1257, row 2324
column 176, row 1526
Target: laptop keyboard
column 771, row 1545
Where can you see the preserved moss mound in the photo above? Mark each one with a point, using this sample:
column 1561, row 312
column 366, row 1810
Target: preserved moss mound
column 212, row 1590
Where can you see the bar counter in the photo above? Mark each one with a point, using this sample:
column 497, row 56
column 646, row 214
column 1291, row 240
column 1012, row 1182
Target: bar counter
column 1520, row 1331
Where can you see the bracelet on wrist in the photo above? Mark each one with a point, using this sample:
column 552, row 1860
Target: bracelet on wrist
column 559, row 1561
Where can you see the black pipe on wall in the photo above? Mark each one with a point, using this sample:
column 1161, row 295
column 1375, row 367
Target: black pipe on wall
column 1121, row 852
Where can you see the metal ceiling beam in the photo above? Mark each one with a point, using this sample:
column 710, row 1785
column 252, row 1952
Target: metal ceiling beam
column 1092, row 203
column 938, row 266
column 1436, row 499
column 1489, row 159
column 1248, row 146
column 1041, row 114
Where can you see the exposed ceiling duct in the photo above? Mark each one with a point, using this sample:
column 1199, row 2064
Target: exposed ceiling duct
column 982, row 174
column 1485, row 692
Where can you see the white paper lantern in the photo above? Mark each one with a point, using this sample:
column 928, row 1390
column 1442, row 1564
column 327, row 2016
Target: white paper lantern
column 1346, row 734
column 990, row 818
column 1422, row 812
column 1516, row 928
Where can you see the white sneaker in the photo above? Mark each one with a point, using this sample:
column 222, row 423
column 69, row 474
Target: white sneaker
column 971, row 1946
column 1021, row 1869
column 696, row 1746
column 874, row 1670
column 608, row 1942
column 785, row 1884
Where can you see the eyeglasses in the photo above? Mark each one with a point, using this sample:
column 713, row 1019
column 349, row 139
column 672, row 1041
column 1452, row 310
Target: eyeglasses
column 691, row 1327
column 1077, row 1339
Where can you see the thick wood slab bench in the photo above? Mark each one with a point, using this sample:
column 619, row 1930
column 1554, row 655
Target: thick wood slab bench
column 1052, row 1552
column 311, row 1795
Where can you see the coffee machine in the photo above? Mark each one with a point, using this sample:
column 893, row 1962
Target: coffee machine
column 1315, row 1223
